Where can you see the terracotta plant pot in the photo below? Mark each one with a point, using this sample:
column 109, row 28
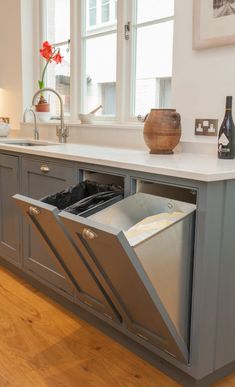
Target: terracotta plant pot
column 43, row 106
column 162, row 130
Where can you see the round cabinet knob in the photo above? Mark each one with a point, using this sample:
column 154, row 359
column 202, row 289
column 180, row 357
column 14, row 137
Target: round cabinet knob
column 89, row 234
column 44, row 168
column 34, row 211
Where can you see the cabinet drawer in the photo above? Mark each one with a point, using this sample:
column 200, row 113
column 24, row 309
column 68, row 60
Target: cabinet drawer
column 43, row 177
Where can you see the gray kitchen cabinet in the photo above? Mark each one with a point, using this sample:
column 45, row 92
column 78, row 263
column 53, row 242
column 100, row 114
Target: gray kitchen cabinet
column 206, row 352
column 40, row 178
column 9, row 216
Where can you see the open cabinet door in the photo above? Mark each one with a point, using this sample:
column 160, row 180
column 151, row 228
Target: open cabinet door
column 44, row 219
column 131, row 290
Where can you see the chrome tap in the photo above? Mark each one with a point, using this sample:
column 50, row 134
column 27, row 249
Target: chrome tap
column 62, row 132
column 35, row 130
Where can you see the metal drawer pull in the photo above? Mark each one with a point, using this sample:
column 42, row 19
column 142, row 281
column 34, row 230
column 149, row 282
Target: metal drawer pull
column 89, row 234
column 45, row 168
column 34, row 211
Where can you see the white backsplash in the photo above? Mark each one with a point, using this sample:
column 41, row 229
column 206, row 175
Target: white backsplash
column 119, row 136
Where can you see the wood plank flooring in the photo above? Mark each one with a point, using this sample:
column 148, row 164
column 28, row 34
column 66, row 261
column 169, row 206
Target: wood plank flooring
column 44, row 345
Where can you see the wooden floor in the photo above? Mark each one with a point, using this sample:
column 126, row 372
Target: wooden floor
column 44, row 345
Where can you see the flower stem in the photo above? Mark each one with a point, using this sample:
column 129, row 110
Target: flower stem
column 48, row 61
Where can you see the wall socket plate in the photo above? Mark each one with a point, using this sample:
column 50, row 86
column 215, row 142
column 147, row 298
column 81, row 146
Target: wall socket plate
column 206, row 127
column 6, row 120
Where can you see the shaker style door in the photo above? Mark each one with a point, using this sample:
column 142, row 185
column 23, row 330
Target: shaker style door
column 69, row 260
column 9, row 216
column 41, row 178
column 131, row 290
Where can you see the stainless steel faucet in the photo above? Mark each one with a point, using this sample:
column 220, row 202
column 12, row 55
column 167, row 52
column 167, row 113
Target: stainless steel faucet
column 35, row 130
column 62, row 132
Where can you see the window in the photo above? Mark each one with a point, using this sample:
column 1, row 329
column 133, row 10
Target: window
column 154, row 29
column 57, row 32
column 105, row 11
column 108, row 98
column 92, row 12
column 99, row 67
column 125, row 68
column 100, row 13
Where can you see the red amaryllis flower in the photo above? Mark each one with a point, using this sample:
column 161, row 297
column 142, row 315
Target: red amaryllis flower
column 49, row 53
column 57, row 57
column 46, row 50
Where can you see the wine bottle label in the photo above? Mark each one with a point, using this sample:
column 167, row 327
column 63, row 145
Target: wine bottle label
column 223, row 140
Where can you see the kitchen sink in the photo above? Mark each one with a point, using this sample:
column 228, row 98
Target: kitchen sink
column 27, row 143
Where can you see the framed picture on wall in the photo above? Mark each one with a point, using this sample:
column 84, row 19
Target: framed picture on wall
column 213, row 23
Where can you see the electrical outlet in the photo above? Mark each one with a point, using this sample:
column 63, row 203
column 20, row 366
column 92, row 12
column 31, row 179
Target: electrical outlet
column 206, row 127
column 6, row 120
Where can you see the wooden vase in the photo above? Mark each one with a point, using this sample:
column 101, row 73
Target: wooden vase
column 162, row 130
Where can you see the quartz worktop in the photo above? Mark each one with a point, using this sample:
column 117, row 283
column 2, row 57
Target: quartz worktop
column 195, row 166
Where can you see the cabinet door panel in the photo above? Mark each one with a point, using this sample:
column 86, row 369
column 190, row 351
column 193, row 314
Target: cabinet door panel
column 90, row 294
column 9, row 216
column 131, row 290
column 37, row 184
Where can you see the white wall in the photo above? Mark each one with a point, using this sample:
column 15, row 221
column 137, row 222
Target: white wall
column 10, row 61
column 203, row 78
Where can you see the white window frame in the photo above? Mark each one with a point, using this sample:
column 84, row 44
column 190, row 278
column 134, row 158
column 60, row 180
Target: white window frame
column 126, row 50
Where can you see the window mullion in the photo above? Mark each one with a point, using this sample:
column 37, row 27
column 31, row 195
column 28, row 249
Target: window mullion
column 132, row 61
column 74, row 62
column 79, row 22
column 123, row 62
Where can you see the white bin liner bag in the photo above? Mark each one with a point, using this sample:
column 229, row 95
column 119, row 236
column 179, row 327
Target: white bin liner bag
column 151, row 226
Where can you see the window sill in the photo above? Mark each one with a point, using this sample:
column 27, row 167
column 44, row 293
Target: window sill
column 98, row 125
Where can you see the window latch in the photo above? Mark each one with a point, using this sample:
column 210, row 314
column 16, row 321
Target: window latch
column 127, row 29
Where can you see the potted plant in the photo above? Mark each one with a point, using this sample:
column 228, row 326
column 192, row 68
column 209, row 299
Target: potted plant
column 50, row 54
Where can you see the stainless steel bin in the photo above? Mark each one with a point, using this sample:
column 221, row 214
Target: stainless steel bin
column 165, row 253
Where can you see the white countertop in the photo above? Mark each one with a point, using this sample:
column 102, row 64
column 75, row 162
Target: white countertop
column 195, row 166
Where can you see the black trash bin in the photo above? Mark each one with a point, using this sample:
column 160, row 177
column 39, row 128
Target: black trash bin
column 84, row 198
